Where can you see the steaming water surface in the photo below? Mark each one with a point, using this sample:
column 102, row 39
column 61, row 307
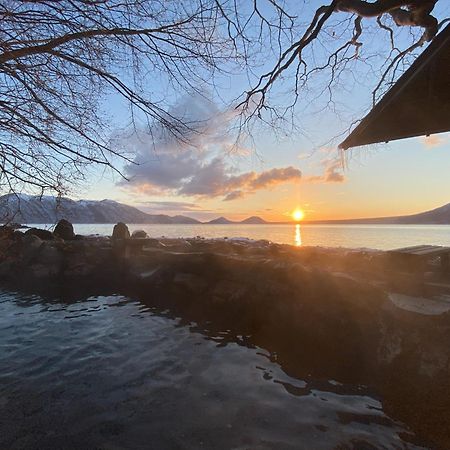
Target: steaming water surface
column 111, row 372
column 381, row 237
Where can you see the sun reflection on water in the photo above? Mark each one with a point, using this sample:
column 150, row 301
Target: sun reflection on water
column 298, row 235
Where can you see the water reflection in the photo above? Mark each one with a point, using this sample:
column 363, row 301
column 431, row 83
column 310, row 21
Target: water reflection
column 91, row 374
column 298, row 236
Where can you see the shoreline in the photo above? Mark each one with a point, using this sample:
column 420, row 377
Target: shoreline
column 342, row 236
column 42, row 256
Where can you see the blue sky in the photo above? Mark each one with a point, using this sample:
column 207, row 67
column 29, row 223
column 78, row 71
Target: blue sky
column 262, row 174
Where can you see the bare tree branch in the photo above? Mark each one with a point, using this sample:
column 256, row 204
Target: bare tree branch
column 62, row 61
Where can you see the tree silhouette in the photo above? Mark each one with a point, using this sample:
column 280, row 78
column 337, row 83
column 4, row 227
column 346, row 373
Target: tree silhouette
column 60, row 61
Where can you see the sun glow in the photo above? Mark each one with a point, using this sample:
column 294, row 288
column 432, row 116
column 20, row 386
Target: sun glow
column 298, row 215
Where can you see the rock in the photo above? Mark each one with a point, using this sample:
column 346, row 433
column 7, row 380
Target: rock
column 5, row 245
column 64, row 230
column 18, row 235
column 6, row 232
column 41, row 271
column 152, row 276
column 80, row 271
column 50, row 256
column 121, row 231
column 31, row 245
column 7, row 268
column 45, row 235
column 190, row 282
column 227, row 290
column 139, row 234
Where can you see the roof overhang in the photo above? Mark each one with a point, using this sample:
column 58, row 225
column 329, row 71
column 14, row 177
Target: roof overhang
column 418, row 103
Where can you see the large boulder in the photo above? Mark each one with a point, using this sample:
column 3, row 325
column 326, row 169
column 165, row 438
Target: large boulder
column 190, row 282
column 50, row 256
column 64, row 230
column 139, row 234
column 120, row 231
column 7, row 268
column 45, row 235
column 18, row 235
column 6, row 232
column 30, row 247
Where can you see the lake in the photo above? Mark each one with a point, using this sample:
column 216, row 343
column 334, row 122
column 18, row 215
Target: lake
column 383, row 237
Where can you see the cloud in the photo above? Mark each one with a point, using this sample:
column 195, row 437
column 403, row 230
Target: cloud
column 275, row 176
column 332, row 172
column 194, row 165
column 171, row 206
column 216, row 179
column 433, row 141
column 233, row 196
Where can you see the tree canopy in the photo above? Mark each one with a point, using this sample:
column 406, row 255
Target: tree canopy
column 62, row 61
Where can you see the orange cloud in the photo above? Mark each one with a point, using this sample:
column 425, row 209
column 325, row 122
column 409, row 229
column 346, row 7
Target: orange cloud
column 433, row 141
column 332, row 172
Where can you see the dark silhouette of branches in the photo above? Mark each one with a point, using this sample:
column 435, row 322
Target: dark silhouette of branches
column 59, row 62
column 412, row 13
column 62, row 61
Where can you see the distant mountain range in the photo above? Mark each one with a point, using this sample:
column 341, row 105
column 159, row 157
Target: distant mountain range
column 437, row 216
column 253, row 220
column 25, row 209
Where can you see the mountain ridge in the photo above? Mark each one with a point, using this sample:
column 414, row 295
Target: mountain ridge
column 436, row 216
column 24, row 208
column 47, row 209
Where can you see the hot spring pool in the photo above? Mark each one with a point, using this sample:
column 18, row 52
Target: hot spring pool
column 110, row 372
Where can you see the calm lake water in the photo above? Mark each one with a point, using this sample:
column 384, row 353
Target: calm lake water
column 114, row 373
column 382, row 237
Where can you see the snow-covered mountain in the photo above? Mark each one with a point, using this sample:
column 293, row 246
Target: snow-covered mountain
column 24, row 208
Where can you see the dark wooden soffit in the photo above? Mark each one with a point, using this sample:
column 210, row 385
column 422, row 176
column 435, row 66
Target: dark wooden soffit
column 417, row 104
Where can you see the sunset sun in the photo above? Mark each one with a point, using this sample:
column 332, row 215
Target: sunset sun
column 298, row 215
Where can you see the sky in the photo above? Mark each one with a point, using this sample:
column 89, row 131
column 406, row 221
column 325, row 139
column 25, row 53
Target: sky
column 270, row 173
